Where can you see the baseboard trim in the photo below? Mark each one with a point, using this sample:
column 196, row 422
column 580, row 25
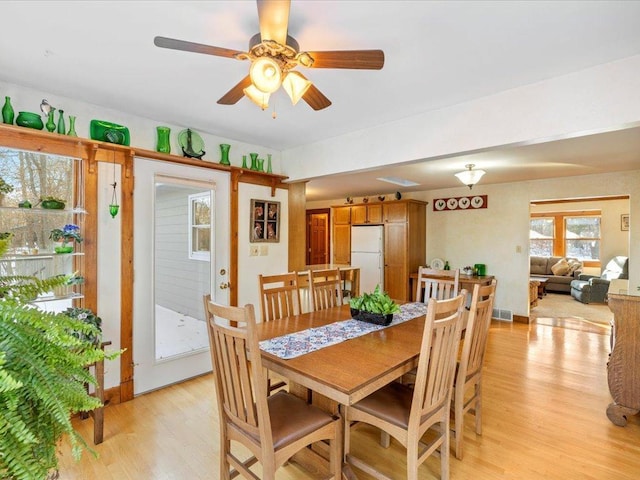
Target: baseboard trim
column 521, row 319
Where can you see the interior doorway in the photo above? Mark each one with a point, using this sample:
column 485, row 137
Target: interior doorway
column 588, row 229
column 318, row 235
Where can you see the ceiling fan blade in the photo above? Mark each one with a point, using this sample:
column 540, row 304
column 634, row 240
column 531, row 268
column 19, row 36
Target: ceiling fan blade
column 352, row 59
column 174, row 44
column 274, row 20
column 315, row 98
column 236, row 93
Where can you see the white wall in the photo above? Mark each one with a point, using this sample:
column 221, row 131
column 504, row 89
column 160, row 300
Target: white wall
column 276, row 258
column 596, row 99
column 142, row 130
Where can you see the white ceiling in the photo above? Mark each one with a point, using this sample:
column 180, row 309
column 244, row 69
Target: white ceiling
column 448, row 52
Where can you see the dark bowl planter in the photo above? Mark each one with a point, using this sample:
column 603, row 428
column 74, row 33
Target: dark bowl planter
column 375, row 318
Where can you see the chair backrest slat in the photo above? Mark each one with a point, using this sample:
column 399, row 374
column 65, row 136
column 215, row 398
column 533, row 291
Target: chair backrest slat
column 326, row 288
column 438, row 284
column 477, row 331
column 237, row 367
column 279, row 296
column 436, row 365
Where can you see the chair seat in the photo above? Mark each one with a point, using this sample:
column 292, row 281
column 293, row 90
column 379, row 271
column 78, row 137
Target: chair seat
column 392, row 403
column 292, row 418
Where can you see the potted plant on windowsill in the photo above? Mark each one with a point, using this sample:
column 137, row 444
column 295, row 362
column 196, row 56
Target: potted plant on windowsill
column 43, row 360
column 66, row 237
column 376, row 307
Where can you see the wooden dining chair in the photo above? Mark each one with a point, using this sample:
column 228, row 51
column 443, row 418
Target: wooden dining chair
column 279, row 296
column 274, row 427
column 438, row 284
column 408, row 413
column 325, row 287
column 467, row 396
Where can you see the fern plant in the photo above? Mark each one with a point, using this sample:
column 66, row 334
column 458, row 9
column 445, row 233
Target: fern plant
column 43, row 359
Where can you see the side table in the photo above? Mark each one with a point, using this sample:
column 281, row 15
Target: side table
column 98, row 413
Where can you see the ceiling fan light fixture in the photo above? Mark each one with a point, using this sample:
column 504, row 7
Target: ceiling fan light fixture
column 257, row 96
column 469, row 176
column 296, row 86
column 266, row 74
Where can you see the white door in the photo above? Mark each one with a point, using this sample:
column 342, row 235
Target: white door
column 181, row 251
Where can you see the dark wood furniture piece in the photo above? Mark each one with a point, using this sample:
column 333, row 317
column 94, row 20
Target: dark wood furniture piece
column 623, row 369
column 98, row 413
column 542, row 285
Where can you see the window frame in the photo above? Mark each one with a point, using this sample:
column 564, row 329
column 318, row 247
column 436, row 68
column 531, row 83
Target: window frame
column 560, row 241
column 200, row 255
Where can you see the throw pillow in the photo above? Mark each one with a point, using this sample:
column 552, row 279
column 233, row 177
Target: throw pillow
column 573, row 265
column 561, row 268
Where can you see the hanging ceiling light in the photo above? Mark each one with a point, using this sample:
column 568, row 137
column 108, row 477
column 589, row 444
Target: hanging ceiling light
column 296, row 86
column 470, row 177
column 257, row 96
column 265, row 74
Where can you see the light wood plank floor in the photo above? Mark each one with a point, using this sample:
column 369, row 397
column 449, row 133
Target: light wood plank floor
column 545, row 396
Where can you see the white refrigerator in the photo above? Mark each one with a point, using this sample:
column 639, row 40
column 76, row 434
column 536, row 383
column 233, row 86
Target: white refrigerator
column 367, row 253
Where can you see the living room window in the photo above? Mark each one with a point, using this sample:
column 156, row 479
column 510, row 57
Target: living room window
column 542, row 236
column 566, row 234
column 582, row 238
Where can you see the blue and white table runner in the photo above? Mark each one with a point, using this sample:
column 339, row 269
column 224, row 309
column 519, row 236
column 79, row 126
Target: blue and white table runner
column 295, row 344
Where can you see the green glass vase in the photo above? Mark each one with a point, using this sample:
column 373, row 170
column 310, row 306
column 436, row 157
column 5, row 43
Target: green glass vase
column 51, row 124
column 61, row 124
column 269, row 170
column 72, row 126
column 224, row 154
column 7, row 111
column 164, row 143
column 254, row 161
column 244, row 161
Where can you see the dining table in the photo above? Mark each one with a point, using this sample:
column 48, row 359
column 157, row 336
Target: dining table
column 345, row 372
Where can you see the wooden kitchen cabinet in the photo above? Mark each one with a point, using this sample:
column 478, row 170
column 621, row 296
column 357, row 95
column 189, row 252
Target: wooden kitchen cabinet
column 341, row 237
column 367, row 214
column 405, row 229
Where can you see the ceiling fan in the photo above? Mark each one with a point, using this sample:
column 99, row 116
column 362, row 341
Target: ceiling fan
column 274, row 55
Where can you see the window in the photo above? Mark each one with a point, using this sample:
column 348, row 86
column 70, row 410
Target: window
column 542, row 237
column 200, row 226
column 582, row 238
column 566, row 234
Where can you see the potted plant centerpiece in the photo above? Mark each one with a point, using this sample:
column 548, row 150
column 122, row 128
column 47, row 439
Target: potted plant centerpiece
column 66, row 237
column 376, row 307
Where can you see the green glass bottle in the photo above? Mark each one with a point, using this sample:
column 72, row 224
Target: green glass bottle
column 446, row 265
column 7, row 111
column 61, row 125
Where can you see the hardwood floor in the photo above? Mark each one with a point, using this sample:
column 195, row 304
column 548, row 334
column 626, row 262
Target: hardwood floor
column 545, row 396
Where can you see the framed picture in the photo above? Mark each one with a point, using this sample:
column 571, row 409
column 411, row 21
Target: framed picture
column 624, row 222
column 265, row 221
